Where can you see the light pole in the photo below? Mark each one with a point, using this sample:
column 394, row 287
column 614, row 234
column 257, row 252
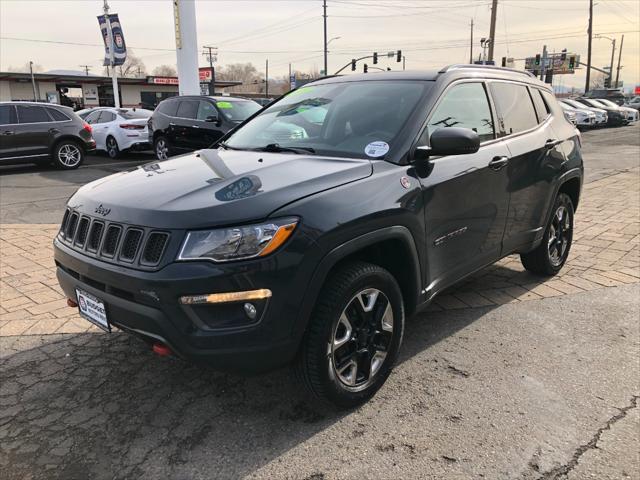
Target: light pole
column 485, row 43
column 326, row 72
column 212, row 55
column 613, row 51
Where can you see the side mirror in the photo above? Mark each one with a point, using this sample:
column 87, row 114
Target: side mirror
column 212, row 118
column 454, row 141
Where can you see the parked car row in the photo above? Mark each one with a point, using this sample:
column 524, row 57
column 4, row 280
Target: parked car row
column 592, row 112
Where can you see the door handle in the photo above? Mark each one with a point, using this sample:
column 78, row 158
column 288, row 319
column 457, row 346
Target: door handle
column 551, row 143
column 498, row 163
column 171, row 124
column 195, row 126
column 54, row 130
column 8, row 132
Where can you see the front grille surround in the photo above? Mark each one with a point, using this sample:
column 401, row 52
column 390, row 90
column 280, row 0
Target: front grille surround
column 114, row 242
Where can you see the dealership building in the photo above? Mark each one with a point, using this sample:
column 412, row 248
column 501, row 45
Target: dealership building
column 84, row 91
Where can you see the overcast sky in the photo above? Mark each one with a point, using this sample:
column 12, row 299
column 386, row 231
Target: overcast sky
column 431, row 33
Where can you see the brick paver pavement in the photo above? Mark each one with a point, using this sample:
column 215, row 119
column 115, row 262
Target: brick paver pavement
column 605, row 253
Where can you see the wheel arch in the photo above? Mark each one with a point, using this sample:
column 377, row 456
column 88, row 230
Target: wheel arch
column 392, row 248
column 572, row 187
column 70, row 138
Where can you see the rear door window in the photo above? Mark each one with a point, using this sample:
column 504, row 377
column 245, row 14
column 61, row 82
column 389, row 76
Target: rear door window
column 106, row 117
column 514, row 107
column 7, row 115
column 32, row 114
column 92, row 118
column 57, row 115
column 467, row 106
column 188, row 109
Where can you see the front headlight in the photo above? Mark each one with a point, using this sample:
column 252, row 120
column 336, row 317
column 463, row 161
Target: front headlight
column 237, row 243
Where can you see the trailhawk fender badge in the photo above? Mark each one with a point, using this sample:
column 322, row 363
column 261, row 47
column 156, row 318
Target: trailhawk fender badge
column 405, row 182
column 100, row 210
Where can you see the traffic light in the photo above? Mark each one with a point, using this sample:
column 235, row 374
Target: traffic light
column 375, row 58
column 537, row 61
column 399, row 56
column 572, row 62
column 504, row 61
column 607, row 82
column 353, row 64
column 548, row 78
column 563, row 55
column 366, row 68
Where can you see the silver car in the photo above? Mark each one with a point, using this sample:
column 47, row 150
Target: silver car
column 584, row 118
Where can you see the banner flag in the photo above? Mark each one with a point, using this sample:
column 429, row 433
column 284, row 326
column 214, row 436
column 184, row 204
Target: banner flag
column 120, row 50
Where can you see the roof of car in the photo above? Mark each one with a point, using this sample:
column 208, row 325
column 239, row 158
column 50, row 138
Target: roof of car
column 43, row 104
column 217, row 98
column 457, row 71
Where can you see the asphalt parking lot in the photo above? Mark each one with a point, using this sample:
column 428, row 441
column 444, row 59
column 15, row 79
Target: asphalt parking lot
column 507, row 376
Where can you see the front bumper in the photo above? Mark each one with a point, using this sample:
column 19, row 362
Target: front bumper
column 147, row 303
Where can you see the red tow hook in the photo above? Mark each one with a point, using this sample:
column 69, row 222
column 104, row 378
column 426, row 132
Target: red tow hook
column 162, row 350
column 71, row 303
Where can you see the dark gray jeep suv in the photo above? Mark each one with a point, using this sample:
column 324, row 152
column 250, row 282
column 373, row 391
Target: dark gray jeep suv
column 310, row 232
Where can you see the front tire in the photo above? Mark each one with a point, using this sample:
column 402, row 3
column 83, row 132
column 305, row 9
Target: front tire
column 67, row 155
column 112, row 147
column 550, row 256
column 354, row 335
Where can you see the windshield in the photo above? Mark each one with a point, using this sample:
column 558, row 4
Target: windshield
column 131, row 114
column 608, row 103
column 594, row 103
column 350, row 119
column 237, row 110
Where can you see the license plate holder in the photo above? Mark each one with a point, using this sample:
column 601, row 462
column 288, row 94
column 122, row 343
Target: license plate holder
column 92, row 309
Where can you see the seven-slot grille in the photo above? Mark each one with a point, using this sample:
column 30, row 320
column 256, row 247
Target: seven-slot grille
column 113, row 241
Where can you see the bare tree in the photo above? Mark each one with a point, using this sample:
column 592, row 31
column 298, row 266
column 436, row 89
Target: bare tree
column 133, row 67
column 598, row 80
column 247, row 73
column 164, row 71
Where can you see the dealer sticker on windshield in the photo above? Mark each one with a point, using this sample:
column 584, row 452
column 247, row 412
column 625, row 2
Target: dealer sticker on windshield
column 376, row 149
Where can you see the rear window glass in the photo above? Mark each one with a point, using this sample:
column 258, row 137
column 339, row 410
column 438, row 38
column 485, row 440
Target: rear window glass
column 515, row 110
column 32, row 114
column 106, row 117
column 132, row 114
column 188, row 109
column 541, row 107
column 168, row 107
column 7, row 115
column 57, row 115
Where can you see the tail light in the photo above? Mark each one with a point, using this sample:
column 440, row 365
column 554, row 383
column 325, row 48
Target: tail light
column 87, row 127
column 130, row 126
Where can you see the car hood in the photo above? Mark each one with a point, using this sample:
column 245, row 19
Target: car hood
column 213, row 187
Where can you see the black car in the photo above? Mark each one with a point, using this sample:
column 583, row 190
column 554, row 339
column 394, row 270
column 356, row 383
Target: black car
column 615, row 116
column 188, row 123
column 33, row 132
column 319, row 225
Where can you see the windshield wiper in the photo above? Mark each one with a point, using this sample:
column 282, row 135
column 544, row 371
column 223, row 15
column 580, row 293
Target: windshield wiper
column 227, row 147
column 274, row 147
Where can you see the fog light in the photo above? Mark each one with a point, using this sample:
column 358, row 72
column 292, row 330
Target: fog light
column 250, row 310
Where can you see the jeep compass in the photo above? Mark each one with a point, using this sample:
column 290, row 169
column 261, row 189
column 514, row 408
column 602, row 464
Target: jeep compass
column 309, row 234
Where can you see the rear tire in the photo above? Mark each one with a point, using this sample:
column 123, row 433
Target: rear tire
column 353, row 337
column 550, row 256
column 162, row 148
column 112, row 147
column 67, row 155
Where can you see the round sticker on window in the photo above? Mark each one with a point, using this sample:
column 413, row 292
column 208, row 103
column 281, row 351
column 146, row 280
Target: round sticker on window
column 376, row 149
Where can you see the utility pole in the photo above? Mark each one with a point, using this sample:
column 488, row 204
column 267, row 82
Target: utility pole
column 471, row 44
column 266, row 78
column 590, row 32
column 404, row 59
column 613, row 51
column 211, row 57
column 619, row 58
column 324, row 16
column 492, row 28
column 543, row 67
column 33, row 82
column 86, row 69
column 114, row 73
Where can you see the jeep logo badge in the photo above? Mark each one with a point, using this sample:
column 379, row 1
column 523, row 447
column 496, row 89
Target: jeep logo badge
column 100, row 210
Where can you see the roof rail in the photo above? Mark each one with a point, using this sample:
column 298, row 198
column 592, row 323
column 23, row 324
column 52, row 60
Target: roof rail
column 459, row 66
